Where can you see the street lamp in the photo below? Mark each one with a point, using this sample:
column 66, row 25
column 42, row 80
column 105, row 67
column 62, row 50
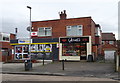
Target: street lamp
column 30, row 35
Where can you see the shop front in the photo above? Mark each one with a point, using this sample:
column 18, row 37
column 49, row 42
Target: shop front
column 75, row 48
column 40, row 48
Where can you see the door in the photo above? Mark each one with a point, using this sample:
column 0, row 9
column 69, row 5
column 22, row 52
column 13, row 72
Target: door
column 109, row 56
column 55, row 52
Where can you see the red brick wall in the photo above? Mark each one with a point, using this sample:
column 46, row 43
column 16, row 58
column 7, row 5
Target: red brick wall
column 93, row 31
column 7, row 47
column 12, row 36
column 59, row 26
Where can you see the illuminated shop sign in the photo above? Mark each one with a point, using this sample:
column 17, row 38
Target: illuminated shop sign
column 74, row 40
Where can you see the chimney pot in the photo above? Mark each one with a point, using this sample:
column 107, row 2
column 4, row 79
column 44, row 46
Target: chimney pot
column 63, row 15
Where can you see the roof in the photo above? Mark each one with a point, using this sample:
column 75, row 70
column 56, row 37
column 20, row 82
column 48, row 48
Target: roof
column 108, row 36
column 62, row 19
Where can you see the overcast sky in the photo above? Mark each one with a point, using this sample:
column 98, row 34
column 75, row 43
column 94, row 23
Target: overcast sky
column 15, row 14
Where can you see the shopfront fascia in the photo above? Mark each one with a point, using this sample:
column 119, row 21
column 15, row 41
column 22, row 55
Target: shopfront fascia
column 75, row 48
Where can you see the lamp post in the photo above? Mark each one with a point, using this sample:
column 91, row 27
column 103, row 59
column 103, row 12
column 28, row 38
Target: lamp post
column 30, row 35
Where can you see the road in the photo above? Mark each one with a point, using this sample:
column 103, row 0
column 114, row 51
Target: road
column 16, row 77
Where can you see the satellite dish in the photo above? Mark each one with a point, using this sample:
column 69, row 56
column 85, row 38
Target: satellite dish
column 28, row 28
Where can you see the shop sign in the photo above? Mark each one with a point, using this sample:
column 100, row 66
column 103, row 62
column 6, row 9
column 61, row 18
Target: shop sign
column 21, row 41
column 33, row 33
column 74, row 40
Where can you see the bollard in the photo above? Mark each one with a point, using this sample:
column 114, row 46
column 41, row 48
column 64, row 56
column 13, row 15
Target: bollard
column 62, row 64
column 43, row 60
column 44, row 56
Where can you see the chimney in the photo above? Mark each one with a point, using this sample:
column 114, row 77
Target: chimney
column 63, row 15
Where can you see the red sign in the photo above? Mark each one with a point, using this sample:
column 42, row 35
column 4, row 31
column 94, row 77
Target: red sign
column 33, row 33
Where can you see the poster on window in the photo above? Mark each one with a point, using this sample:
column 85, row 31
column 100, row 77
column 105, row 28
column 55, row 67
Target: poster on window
column 18, row 56
column 19, row 49
column 21, row 52
column 45, row 48
column 34, row 48
column 25, row 49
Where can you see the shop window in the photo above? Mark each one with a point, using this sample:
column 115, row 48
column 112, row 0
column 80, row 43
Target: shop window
column 75, row 30
column 74, row 49
column 45, row 31
column 21, row 52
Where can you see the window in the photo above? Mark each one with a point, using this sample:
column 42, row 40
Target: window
column 45, row 31
column 110, row 42
column 4, row 37
column 74, row 49
column 75, row 30
column 0, row 37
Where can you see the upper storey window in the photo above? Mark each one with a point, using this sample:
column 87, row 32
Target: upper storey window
column 4, row 37
column 75, row 30
column 45, row 31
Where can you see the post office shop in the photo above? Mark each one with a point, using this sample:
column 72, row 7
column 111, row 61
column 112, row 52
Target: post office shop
column 75, row 48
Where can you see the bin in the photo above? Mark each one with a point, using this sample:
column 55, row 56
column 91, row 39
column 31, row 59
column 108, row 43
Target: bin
column 90, row 58
column 28, row 65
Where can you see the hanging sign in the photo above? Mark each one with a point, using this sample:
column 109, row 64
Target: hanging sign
column 33, row 33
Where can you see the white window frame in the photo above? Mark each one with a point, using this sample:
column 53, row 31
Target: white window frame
column 50, row 28
column 78, row 27
column 6, row 36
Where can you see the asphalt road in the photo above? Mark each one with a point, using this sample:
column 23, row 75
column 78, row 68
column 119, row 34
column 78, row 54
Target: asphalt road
column 16, row 77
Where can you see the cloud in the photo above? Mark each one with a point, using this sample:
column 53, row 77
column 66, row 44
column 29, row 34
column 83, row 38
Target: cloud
column 16, row 14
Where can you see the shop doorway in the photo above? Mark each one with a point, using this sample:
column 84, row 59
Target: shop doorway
column 83, row 51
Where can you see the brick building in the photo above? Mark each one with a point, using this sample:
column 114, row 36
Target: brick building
column 5, row 47
column 109, row 45
column 68, row 28
column 64, row 38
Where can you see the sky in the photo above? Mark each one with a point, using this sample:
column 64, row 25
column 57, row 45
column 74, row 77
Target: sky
column 15, row 13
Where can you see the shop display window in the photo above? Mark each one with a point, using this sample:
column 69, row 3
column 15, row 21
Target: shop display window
column 74, row 49
column 21, row 52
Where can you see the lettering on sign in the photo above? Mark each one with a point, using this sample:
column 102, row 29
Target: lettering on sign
column 74, row 40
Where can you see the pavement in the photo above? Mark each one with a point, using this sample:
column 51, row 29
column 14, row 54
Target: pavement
column 76, row 69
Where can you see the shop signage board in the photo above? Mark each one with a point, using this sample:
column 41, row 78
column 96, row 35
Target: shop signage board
column 33, row 33
column 74, row 40
column 23, row 41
